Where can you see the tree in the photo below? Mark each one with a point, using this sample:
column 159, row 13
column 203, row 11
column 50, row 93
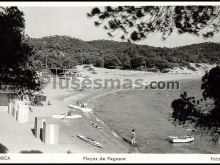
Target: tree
column 137, row 22
column 111, row 61
column 136, row 61
column 15, row 70
column 99, row 62
column 211, row 82
column 3, row 149
column 126, row 61
column 202, row 113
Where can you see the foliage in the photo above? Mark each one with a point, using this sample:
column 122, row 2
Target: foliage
column 62, row 52
column 15, row 65
column 137, row 22
column 66, row 52
column 3, row 149
column 211, row 86
column 204, row 113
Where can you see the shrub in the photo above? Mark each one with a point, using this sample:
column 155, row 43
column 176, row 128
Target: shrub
column 86, row 66
column 91, row 69
column 198, row 65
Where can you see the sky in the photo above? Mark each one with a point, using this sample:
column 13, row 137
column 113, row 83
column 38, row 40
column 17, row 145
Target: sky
column 73, row 21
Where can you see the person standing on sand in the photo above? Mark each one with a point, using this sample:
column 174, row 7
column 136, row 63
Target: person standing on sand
column 133, row 136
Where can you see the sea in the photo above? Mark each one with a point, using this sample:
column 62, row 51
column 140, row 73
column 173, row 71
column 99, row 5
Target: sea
column 149, row 113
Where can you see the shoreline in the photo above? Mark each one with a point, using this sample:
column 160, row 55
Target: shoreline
column 123, row 129
column 60, row 99
column 93, row 99
column 91, row 117
column 91, row 95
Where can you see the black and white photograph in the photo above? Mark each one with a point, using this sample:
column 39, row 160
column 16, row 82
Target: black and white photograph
column 110, row 78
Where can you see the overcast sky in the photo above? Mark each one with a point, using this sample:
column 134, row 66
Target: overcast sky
column 72, row 21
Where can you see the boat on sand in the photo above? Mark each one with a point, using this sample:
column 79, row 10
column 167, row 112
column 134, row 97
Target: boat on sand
column 90, row 141
column 181, row 139
column 84, row 109
column 62, row 116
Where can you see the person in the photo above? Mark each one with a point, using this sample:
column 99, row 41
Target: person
column 49, row 103
column 133, row 136
column 78, row 102
column 85, row 105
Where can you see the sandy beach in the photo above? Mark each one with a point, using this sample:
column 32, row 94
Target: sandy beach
column 18, row 137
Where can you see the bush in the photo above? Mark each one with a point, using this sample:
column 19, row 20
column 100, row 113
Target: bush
column 111, row 61
column 99, row 62
column 136, row 62
column 91, row 69
column 198, row 65
column 163, row 64
column 3, row 149
column 140, row 68
column 86, row 66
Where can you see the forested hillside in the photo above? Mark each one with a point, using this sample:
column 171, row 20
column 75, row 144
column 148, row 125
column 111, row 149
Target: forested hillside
column 66, row 52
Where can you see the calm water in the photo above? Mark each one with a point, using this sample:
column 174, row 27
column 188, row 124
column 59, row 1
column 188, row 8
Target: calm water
column 148, row 112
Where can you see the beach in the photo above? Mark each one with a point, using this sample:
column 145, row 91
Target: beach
column 19, row 137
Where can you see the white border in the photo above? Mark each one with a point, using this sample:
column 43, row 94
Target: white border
column 130, row 158
column 69, row 4
column 96, row 158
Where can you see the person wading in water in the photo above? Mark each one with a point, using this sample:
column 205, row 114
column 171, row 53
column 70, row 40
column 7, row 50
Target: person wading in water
column 133, row 136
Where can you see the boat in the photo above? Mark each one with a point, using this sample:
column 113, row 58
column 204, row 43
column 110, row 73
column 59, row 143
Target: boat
column 66, row 116
column 181, row 139
column 84, row 109
column 90, row 141
column 191, row 129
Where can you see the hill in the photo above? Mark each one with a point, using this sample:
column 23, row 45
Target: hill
column 66, row 52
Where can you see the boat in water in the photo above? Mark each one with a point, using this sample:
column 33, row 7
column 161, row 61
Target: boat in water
column 181, row 139
column 84, row 109
column 90, row 141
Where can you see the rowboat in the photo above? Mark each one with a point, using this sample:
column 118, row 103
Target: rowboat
column 191, row 129
column 66, row 117
column 84, row 109
column 180, row 139
column 90, row 141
